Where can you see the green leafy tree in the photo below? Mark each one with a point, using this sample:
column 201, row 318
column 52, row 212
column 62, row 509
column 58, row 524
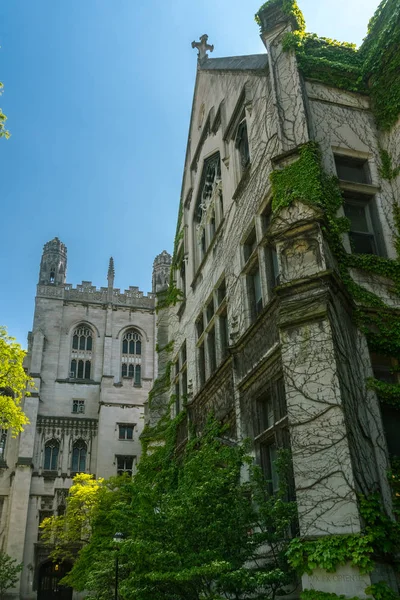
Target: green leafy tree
column 9, row 573
column 193, row 528
column 71, row 530
column 13, row 384
column 3, row 119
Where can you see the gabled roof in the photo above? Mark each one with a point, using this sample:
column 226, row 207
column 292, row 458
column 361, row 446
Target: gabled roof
column 253, row 62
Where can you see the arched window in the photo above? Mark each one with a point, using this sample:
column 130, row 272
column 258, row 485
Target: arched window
column 208, row 209
column 132, row 356
column 79, row 452
column 242, row 145
column 51, row 450
column 81, row 353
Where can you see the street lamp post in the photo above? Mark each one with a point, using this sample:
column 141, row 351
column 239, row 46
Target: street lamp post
column 118, row 537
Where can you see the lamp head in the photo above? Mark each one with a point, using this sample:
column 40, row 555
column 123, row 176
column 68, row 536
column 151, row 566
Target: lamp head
column 118, row 537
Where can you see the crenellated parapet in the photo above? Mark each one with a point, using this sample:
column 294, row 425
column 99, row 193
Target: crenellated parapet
column 86, row 292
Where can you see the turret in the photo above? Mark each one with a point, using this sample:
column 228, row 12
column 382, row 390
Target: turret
column 161, row 270
column 53, row 266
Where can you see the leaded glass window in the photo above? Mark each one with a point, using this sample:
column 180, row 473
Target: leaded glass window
column 208, row 212
column 132, row 356
column 81, row 353
column 242, row 145
column 79, row 452
column 51, row 450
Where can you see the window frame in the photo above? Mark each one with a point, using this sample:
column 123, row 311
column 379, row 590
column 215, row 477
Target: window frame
column 180, row 378
column 274, row 433
column 131, row 362
column 210, row 349
column 80, row 404
column 84, row 446
column 208, row 209
column 81, row 358
column 52, row 464
column 127, row 426
column 360, row 192
column 124, row 470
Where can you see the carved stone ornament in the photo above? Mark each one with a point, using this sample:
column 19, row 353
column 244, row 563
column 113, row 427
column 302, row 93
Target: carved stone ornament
column 202, row 47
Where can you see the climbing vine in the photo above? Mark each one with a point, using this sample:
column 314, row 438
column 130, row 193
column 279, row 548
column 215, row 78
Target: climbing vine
column 289, row 7
column 305, row 180
column 373, row 69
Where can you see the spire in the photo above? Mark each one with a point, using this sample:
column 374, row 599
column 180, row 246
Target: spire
column 202, row 47
column 111, row 273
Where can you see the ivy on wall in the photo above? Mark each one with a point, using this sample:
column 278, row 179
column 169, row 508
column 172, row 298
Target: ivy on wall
column 373, row 69
column 305, row 180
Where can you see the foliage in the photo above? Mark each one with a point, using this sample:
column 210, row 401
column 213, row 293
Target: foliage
column 13, row 383
column 9, row 573
column 335, row 63
column 317, row 595
column 172, row 295
column 289, row 8
column 388, row 392
column 3, row 131
column 381, row 591
column 380, row 52
column 65, row 532
column 331, row 551
column 373, row 69
column 191, row 527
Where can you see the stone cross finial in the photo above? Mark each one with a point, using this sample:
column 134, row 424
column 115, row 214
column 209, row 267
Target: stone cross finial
column 202, row 47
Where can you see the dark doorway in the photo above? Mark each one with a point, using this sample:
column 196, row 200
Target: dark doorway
column 49, row 587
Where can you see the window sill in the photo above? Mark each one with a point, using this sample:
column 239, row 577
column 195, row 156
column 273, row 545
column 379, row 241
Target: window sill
column 79, row 381
column 360, row 188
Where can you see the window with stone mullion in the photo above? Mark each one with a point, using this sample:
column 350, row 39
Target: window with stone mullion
column 81, row 353
column 132, row 356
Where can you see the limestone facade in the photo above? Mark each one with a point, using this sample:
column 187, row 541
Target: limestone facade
column 264, row 336
column 92, row 357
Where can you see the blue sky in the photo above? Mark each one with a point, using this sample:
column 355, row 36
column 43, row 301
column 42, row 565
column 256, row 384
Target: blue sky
column 98, row 96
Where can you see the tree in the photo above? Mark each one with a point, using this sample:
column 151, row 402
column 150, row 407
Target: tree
column 3, row 119
column 13, row 383
column 65, row 533
column 9, row 573
column 193, row 528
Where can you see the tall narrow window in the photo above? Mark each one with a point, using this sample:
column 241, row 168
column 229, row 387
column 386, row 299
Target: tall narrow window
column 79, row 452
column 132, row 356
column 255, row 293
column 242, row 145
column 81, row 353
column 271, row 431
column 51, row 450
column 208, row 205
column 359, row 205
column 362, row 235
column 3, row 439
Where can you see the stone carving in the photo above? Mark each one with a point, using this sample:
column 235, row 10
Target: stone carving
column 57, row 426
column 202, row 47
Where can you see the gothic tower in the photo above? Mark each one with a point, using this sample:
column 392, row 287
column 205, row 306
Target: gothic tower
column 53, row 266
column 161, row 270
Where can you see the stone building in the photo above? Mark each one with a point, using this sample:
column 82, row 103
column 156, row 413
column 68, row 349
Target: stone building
column 92, row 357
column 286, row 260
